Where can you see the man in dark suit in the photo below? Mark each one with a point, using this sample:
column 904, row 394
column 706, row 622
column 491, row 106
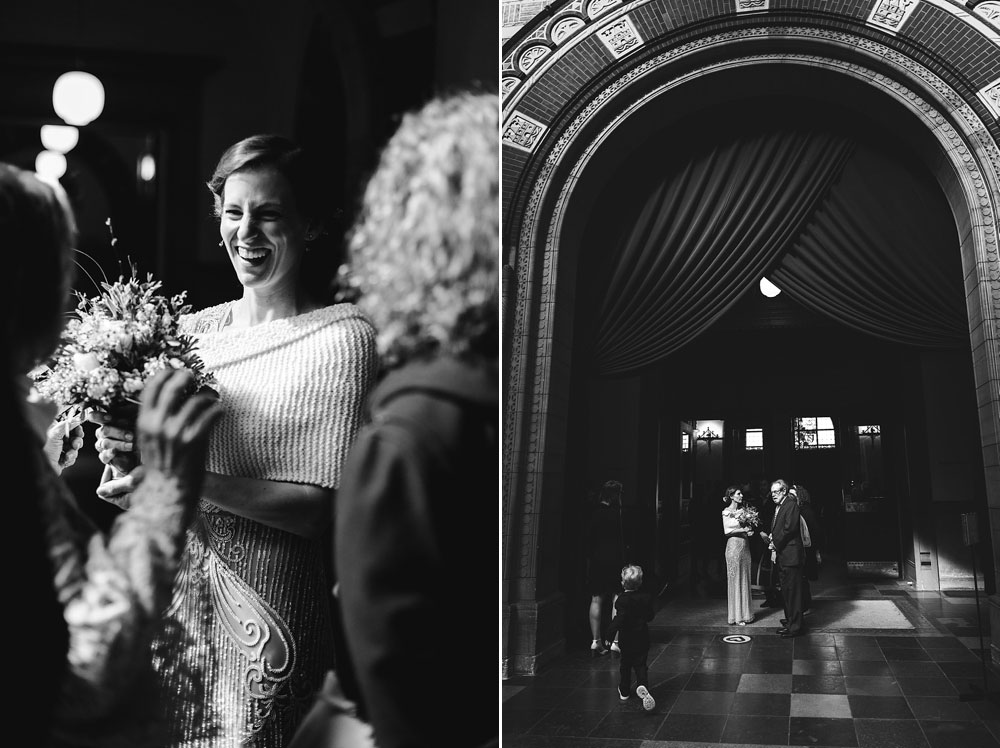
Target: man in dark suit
column 767, row 577
column 785, row 543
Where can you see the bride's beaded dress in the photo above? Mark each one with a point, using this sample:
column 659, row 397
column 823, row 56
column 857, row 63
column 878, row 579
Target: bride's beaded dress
column 248, row 639
column 738, row 566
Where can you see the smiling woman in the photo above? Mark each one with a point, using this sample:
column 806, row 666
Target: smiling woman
column 249, row 636
column 266, row 237
column 272, row 206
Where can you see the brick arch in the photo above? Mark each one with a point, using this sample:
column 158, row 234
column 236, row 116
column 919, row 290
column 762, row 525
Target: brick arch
column 546, row 76
column 546, row 151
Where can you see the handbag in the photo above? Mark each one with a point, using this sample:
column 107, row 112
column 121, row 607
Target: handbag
column 806, row 537
column 762, row 577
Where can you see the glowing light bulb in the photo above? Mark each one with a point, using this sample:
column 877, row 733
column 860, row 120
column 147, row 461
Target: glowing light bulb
column 78, row 97
column 147, row 167
column 50, row 164
column 768, row 289
column 60, row 138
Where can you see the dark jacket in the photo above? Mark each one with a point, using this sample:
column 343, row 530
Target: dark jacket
column 807, row 513
column 786, row 534
column 607, row 548
column 817, row 538
column 633, row 612
column 415, row 517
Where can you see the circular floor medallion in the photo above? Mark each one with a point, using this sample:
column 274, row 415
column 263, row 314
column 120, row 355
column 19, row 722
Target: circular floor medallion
column 736, row 639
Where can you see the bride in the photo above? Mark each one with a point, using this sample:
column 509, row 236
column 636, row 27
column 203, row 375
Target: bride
column 249, row 637
column 737, row 521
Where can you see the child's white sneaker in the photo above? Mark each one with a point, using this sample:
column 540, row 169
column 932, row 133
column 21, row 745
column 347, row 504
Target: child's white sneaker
column 648, row 702
column 615, row 648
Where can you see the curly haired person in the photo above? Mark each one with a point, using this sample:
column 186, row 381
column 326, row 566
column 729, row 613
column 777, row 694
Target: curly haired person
column 424, row 251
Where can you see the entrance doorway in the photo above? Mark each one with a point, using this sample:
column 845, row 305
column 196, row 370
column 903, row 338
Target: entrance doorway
column 839, row 461
column 814, row 403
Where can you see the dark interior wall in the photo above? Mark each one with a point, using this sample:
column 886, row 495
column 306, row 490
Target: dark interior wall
column 468, row 44
column 953, row 437
column 754, row 377
column 924, row 401
column 955, row 466
column 612, row 410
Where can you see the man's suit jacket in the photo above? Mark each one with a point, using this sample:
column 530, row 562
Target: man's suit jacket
column 786, row 535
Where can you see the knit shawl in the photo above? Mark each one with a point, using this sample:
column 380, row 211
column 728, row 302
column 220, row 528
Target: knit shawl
column 293, row 390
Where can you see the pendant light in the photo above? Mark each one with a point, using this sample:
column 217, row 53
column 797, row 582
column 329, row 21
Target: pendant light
column 78, row 97
column 768, row 289
column 60, row 138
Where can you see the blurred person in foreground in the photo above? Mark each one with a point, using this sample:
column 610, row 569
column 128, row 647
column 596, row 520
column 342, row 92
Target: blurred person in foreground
column 425, row 253
column 86, row 604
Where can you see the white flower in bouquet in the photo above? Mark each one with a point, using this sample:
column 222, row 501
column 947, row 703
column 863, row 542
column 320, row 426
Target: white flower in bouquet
column 114, row 342
column 747, row 516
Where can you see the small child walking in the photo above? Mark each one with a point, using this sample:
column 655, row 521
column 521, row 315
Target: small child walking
column 633, row 612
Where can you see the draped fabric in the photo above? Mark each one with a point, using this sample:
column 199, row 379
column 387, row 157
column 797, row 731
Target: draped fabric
column 799, row 207
column 868, row 260
column 724, row 216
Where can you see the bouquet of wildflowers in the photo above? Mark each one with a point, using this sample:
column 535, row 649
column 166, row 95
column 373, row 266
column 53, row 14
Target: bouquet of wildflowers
column 747, row 516
column 113, row 343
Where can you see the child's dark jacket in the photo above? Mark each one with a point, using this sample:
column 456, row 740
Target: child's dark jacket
column 633, row 612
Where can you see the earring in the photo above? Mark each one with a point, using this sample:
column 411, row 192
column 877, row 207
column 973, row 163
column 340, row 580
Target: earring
column 221, row 243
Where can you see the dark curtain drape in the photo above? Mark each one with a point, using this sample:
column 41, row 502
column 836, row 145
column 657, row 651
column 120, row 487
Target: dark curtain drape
column 800, row 207
column 873, row 260
column 723, row 216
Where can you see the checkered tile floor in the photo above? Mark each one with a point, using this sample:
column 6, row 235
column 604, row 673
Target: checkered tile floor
column 857, row 688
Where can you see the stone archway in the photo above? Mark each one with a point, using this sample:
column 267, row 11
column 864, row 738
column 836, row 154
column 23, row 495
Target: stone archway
column 549, row 145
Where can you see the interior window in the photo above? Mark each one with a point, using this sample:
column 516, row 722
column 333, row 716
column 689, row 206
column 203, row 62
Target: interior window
column 814, row 432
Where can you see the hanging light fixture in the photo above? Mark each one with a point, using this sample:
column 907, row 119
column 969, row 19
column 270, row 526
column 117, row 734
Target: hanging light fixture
column 60, row 138
column 708, row 435
column 146, row 167
column 768, row 289
column 50, row 164
column 78, row 97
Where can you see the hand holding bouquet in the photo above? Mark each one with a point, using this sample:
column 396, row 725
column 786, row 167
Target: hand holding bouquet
column 748, row 517
column 112, row 345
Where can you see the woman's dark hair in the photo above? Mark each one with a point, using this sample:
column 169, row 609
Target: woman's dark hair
column 729, row 493
column 312, row 198
column 38, row 231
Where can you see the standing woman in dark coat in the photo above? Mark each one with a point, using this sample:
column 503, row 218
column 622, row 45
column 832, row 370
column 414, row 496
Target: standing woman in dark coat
column 810, row 570
column 605, row 559
column 425, row 253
